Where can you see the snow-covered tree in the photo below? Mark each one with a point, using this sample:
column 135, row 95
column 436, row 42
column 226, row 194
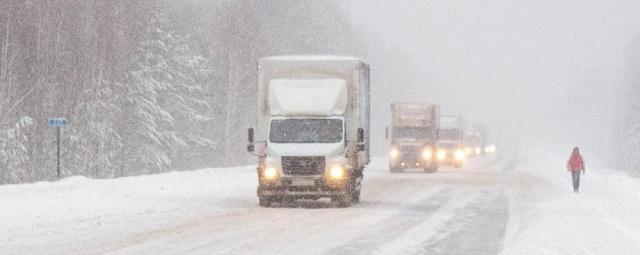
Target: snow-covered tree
column 161, row 94
column 14, row 154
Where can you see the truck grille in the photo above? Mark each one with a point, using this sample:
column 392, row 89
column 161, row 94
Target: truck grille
column 303, row 165
column 409, row 152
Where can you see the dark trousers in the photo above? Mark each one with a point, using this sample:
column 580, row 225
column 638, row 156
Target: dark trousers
column 576, row 180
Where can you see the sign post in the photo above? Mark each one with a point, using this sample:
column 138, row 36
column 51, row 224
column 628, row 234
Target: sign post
column 58, row 123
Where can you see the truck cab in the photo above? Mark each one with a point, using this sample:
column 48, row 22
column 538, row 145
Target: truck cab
column 452, row 150
column 312, row 139
column 413, row 137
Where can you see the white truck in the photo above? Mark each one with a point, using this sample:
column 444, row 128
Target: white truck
column 452, row 149
column 413, row 136
column 312, row 137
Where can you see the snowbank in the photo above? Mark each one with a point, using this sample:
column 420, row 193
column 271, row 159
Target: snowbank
column 547, row 217
column 46, row 207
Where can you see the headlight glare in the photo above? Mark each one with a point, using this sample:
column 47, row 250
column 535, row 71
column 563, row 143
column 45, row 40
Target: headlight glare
column 427, row 153
column 337, row 172
column 441, row 154
column 270, row 172
column 460, row 154
column 394, row 153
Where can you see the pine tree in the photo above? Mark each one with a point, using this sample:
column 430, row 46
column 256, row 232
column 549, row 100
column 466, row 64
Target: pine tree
column 161, row 105
column 14, row 154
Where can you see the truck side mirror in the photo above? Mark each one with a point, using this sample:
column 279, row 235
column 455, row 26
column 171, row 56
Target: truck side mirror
column 386, row 132
column 250, row 135
column 250, row 147
column 360, row 135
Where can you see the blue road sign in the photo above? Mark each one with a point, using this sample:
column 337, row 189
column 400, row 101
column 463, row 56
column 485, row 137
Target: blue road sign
column 58, row 122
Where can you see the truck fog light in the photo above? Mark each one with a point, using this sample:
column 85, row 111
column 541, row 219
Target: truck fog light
column 337, row 172
column 441, row 155
column 460, row 155
column 270, row 172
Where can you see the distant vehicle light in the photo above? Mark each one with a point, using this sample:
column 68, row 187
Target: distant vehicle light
column 478, row 150
column 459, row 155
column 468, row 151
column 427, row 153
column 394, row 153
column 441, row 154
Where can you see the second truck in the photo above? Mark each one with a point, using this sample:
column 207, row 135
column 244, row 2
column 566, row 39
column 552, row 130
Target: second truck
column 452, row 149
column 413, row 137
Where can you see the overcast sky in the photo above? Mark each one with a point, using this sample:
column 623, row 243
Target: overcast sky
column 546, row 72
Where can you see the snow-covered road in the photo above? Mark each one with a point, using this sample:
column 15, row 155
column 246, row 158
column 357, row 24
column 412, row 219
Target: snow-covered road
column 486, row 208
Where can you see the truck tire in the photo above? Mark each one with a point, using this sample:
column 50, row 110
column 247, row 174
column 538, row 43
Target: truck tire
column 356, row 197
column 430, row 169
column 356, row 185
column 264, row 202
column 395, row 169
column 345, row 200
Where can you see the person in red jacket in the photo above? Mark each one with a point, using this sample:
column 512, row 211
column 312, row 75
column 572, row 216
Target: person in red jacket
column 575, row 165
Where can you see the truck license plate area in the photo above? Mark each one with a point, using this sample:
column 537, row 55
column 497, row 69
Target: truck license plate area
column 303, row 165
column 302, row 182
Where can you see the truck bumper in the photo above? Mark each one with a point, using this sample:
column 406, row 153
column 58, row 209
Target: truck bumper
column 411, row 163
column 453, row 163
column 297, row 192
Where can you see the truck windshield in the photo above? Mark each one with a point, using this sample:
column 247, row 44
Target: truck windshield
column 412, row 132
column 306, row 131
column 449, row 134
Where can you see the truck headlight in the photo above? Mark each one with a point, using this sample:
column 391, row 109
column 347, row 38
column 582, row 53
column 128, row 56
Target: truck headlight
column 337, row 172
column 468, row 151
column 441, row 154
column 427, row 153
column 270, row 172
column 460, row 155
column 394, row 153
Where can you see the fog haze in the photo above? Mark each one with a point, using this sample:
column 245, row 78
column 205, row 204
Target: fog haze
column 539, row 73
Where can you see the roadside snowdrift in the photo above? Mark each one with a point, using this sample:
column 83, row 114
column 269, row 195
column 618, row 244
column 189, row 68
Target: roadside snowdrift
column 548, row 218
column 123, row 206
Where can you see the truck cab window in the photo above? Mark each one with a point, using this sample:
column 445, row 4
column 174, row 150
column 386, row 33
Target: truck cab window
column 412, row 132
column 306, row 131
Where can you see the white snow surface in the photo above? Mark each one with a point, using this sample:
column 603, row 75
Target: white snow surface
column 547, row 217
column 487, row 208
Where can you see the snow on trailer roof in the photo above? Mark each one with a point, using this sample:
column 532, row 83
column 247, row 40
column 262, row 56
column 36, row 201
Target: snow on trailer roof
column 309, row 58
column 451, row 121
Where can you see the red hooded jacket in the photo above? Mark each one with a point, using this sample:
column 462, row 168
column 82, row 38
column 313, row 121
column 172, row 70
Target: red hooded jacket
column 575, row 163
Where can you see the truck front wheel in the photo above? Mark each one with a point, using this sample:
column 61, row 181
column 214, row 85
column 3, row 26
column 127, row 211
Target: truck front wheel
column 431, row 169
column 395, row 169
column 264, row 202
column 344, row 200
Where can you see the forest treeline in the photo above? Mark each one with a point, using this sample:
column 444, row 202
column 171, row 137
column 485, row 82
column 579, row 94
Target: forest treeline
column 147, row 86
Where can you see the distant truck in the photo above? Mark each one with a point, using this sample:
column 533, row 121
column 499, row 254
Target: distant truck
column 475, row 141
column 452, row 150
column 413, row 136
column 312, row 138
